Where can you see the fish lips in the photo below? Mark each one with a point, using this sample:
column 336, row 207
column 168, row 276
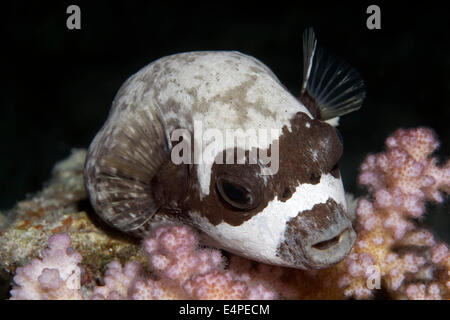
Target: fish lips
column 317, row 238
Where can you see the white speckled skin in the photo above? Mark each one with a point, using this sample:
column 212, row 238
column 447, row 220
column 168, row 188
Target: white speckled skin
column 223, row 90
column 203, row 86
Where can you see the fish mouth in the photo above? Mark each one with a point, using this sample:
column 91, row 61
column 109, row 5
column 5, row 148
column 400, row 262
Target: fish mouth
column 324, row 253
column 317, row 238
column 326, row 244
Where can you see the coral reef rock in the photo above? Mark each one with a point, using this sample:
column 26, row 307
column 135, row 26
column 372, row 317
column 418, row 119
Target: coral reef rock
column 62, row 206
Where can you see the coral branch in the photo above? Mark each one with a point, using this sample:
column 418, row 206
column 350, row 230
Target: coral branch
column 400, row 180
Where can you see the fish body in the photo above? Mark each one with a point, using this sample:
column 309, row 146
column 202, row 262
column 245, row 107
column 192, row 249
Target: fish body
column 187, row 141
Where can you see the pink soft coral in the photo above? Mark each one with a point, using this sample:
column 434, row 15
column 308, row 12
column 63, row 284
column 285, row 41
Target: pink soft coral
column 401, row 180
column 181, row 270
column 404, row 176
column 56, row 276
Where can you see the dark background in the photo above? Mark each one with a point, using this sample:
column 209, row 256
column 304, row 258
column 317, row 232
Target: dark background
column 60, row 83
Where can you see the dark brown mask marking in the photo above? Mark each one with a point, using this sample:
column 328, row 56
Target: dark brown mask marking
column 310, row 149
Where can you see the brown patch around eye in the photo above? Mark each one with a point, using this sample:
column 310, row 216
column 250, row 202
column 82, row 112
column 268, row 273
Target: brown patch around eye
column 308, row 150
column 236, row 194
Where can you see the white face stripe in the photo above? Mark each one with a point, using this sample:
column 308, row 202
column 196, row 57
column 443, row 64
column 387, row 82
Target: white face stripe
column 259, row 237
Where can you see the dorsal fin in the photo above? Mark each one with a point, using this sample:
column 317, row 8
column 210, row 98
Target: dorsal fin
column 331, row 87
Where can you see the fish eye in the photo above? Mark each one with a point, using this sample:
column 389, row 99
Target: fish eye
column 235, row 194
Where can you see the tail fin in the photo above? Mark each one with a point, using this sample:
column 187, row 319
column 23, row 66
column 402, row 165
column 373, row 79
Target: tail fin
column 330, row 86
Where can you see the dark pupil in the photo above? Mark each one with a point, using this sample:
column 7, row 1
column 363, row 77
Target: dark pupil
column 235, row 193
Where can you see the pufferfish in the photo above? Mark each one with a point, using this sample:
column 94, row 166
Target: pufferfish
column 296, row 217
